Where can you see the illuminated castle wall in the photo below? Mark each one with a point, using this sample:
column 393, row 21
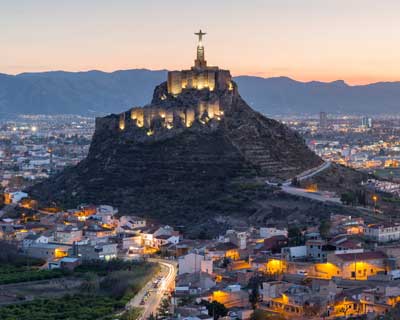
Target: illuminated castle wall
column 209, row 78
column 200, row 76
column 169, row 118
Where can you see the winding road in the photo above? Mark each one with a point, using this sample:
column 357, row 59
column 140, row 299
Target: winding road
column 168, row 270
column 310, row 173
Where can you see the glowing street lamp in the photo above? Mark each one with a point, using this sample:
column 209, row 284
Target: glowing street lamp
column 375, row 199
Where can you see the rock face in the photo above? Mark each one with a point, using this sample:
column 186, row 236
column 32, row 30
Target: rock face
column 178, row 158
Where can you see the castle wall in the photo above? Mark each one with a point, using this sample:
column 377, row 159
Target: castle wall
column 174, row 82
column 190, row 117
column 121, row 122
column 211, row 80
column 201, row 108
column 198, row 79
column 224, row 80
column 137, row 114
column 170, row 118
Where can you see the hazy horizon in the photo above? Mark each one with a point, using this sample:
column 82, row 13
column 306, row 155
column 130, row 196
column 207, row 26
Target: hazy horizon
column 306, row 40
column 235, row 76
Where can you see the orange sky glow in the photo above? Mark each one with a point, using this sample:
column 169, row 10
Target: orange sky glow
column 351, row 40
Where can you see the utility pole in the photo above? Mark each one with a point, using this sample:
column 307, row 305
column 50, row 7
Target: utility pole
column 355, row 267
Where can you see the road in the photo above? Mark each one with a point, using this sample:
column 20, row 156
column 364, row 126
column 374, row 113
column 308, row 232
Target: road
column 168, row 270
column 319, row 196
column 310, row 173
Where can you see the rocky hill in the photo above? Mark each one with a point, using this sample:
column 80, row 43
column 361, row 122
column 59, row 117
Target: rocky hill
column 185, row 159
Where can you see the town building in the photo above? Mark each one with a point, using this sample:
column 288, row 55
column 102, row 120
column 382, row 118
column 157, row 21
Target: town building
column 193, row 262
column 357, row 266
column 383, row 232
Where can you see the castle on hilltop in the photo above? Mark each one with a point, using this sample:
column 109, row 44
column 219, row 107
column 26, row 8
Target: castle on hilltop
column 199, row 77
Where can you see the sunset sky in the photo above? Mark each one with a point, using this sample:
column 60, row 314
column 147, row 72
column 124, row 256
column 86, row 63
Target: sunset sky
column 353, row 40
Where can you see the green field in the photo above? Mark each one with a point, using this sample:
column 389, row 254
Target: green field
column 69, row 307
column 12, row 274
column 105, row 288
column 388, row 173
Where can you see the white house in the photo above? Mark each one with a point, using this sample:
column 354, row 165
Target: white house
column 16, row 197
column 270, row 232
column 106, row 214
column 134, row 241
column 132, row 222
column 162, row 240
column 237, row 238
column 158, row 236
column 33, row 239
column 68, row 234
column 293, row 253
column 193, row 262
column 383, row 232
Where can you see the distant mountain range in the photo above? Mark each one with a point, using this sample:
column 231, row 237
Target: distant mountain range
column 96, row 92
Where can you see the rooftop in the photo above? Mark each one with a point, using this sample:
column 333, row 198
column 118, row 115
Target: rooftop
column 361, row 256
column 224, row 246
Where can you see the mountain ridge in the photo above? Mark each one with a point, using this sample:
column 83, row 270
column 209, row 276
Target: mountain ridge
column 61, row 92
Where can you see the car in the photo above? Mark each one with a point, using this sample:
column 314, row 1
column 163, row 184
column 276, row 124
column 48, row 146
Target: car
column 302, row 273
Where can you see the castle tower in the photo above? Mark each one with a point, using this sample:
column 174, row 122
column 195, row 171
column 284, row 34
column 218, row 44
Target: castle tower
column 200, row 76
column 200, row 62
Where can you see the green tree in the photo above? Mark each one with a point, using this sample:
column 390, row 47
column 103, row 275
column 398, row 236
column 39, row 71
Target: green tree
column 265, row 315
column 132, row 314
column 91, row 283
column 215, row 309
column 348, row 198
column 361, row 197
column 226, row 262
column 295, row 236
column 324, row 228
column 393, row 314
column 163, row 310
column 254, row 285
column 1, row 197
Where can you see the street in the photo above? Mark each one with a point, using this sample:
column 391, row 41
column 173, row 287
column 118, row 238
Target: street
column 319, row 196
column 309, row 173
column 167, row 282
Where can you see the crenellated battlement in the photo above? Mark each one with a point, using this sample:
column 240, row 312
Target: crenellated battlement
column 154, row 117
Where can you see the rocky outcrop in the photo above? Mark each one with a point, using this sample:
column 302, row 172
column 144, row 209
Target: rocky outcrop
column 183, row 164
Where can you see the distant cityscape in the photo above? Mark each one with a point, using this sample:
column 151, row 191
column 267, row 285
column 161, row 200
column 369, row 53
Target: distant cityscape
column 32, row 147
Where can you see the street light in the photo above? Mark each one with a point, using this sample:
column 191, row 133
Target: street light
column 375, row 199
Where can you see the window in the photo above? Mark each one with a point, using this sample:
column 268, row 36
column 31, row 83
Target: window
column 353, row 274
